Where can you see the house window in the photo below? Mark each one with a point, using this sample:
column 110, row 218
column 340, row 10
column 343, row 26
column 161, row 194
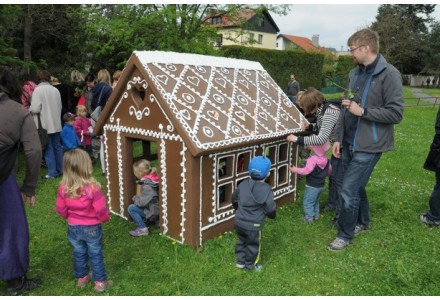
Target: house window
column 217, row 20
column 283, row 153
column 261, row 22
column 276, row 45
column 260, row 39
column 224, row 195
column 251, row 37
column 282, row 175
column 225, row 167
column 243, row 160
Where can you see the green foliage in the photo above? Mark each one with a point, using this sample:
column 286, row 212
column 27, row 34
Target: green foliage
column 307, row 67
column 402, row 30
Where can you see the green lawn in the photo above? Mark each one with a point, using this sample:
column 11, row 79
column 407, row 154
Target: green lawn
column 398, row 256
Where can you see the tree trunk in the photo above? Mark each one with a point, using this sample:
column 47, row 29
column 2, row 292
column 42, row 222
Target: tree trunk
column 27, row 40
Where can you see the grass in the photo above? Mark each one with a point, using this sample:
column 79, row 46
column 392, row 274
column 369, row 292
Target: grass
column 398, row 256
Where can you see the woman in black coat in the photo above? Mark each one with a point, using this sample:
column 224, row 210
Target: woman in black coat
column 432, row 163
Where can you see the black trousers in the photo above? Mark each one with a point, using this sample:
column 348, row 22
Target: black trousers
column 247, row 250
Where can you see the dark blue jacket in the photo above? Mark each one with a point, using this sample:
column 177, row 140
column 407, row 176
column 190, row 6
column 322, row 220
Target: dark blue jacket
column 100, row 94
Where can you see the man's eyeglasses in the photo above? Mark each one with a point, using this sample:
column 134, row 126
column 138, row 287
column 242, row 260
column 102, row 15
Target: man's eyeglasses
column 352, row 50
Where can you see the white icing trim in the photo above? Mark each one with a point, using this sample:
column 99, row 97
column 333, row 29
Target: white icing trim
column 195, row 59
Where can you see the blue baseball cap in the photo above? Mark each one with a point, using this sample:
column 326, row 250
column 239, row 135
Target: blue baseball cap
column 259, row 167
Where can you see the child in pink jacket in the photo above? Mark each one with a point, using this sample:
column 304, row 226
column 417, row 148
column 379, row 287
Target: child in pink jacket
column 316, row 169
column 84, row 129
column 81, row 201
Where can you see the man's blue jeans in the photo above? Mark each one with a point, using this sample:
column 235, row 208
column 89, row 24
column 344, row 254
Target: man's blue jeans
column 138, row 215
column 434, row 201
column 311, row 202
column 54, row 155
column 355, row 210
column 87, row 244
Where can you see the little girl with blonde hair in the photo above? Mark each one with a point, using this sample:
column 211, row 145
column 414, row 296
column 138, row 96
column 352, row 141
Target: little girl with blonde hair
column 81, row 201
column 146, row 205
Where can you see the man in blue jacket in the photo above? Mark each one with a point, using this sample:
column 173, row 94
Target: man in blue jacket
column 365, row 130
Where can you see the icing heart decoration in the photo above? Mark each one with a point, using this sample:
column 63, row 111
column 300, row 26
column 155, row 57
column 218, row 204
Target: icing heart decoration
column 224, row 70
column 185, row 114
column 263, row 115
column 246, row 72
column 284, row 116
column 221, row 82
column 213, row 114
column 241, row 115
column 265, row 84
column 193, row 80
column 162, row 78
column 244, row 83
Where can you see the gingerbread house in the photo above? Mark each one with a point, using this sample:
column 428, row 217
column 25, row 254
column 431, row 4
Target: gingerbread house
column 200, row 119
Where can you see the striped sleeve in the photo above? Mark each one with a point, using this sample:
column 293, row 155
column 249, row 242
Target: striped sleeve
column 326, row 125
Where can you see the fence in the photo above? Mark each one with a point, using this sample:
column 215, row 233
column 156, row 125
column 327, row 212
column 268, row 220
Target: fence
column 422, row 101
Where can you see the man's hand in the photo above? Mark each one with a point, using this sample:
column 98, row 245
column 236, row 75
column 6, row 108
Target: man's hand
column 337, row 149
column 29, row 199
column 353, row 107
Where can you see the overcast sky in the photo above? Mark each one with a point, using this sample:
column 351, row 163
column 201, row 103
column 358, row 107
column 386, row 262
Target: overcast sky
column 334, row 23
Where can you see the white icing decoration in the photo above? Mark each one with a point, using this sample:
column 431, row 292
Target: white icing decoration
column 171, row 67
column 188, row 98
column 265, row 84
column 201, row 69
column 219, row 98
column 244, row 83
column 224, row 70
column 236, row 130
column 265, row 101
column 185, row 114
column 208, row 131
column 213, row 114
column 194, row 80
column 139, row 114
column 242, row 100
column 146, row 57
column 221, row 82
column 241, row 115
column 163, row 79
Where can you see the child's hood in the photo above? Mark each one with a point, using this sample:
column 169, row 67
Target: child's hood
column 320, row 156
column 153, row 177
column 321, row 150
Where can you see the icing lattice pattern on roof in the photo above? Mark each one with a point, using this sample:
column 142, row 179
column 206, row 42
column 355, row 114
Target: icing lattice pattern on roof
column 220, row 105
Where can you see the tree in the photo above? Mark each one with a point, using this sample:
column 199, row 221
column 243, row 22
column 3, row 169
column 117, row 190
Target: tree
column 402, row 29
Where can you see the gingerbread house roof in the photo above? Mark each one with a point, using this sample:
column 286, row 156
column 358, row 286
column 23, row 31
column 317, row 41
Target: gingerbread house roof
column 213, row 102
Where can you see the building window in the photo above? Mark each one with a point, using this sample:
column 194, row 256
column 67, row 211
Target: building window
column 261, row 22
column 260, row 39
column 216, row 20
column 219, row 41
column 251, row 37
